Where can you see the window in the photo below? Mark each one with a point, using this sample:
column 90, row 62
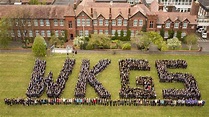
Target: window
column 48, row 33
column 56, row 33
column 106, row 32
column 81, row 32
column 16, row 22
column 18, row 33
column 78, row 22
column 86, row 33
column 83, row 22
column 30, row 33
column 151, row 24
column 124, row 22
column 61, row 22
column 41, row 22
column 119, row 22
column 183, row 34
column 140, row 22
column 119, row 31
column 184, row 25
column 55, row 22
column 43, row 33
column 166, row 34
column 124, row 32
column 106, row 22
column 35, row 22
column 135, row 22
column 62, row 33
column 47, row 22
column 95, row 31
column 29, row 22
column 132, row 33
column 113, row 32
column 70, row 25
column 37, row 32
column 159, row 26
column 12, row 33
column 176, row 25
column 113, row 22
column 95, row 22
column 100, row 31
column 87, row 22
column 100, row 22
column 167, row 25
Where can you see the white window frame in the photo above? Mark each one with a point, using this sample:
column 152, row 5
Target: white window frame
column 113, row 32
column 35, row 22
column 47, row 22
column 124, row 22
column 55, row 22
column 119, row 22
column 83, row 22
column 185, row 25
column 43, row 33
column 30, row 33
column 100, row 22
column 141, row 22
column 61, row 22
column 167, row 24
column 56, row 32
column 176, row 25
column 113, row 23
column 135, row 22
column 87, row 22
column 95, row 22
column 41, row 22
column 106, row 22
column 37, row 32
column 78, row 22
column 48, row 33
column 106, row 32
column 86, row 33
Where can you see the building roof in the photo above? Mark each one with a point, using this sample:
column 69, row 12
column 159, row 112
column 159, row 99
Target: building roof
column 38, row 11
column 173, row 16
column 204, row 4
column 154, row 6
column 110, row 0
column 27, row 1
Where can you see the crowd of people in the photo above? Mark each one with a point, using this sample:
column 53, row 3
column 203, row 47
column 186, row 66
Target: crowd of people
column 126, row 92
column 89, row 76
column 191, row 89
column 104, row 101
column 36, row 84
column 55, row 89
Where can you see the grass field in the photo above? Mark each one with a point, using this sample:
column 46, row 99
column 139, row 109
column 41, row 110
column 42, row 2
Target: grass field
column 16, row 69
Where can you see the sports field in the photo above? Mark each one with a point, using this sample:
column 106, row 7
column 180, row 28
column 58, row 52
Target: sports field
column 16, row 69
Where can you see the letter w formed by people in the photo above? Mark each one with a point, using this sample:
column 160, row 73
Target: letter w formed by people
column 38, row 83
column 89, row 76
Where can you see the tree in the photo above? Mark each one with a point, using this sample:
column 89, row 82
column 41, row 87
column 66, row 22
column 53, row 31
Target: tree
column 54, row 41
column 100, row 41
column 144, row 28
column 178, row 34
column 121, row 35
column 174, row 43
column 144, row 41
column 162, row 33
column 34, row 2
column 170, row 34
column 39, row 46
column 128, row 36
column 190, row 40
column 4, row 32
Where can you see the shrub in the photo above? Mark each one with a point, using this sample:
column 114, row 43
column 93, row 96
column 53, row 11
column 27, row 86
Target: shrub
column 126, row 46
column 39, row 46
column 89, row 47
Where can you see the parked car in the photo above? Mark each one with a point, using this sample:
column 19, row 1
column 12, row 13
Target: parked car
column 204, row 35
column 200, row 30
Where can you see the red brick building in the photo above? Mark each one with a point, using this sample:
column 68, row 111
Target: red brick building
column 103, row 18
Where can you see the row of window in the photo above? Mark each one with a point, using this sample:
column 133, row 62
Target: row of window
column 101, row 22
column 176, row 2
column 176, row 25
column 44, row 33
column 40, row 22
column 86, row 32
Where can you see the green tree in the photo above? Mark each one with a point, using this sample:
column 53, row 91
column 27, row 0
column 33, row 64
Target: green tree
column 34, row 2
column 190, row 40
column 128, row 36
column 144, row 28
column 5, row 37
column 170, row 34
column 54, row 41
column 100, row 41
column 122, row 35
column 173, row 43
column 144, row 41
column 178, row 34
column 39, row 46
column 162, row 33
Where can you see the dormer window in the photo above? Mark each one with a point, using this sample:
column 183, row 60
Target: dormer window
column 167, row 25
column 185, row 24
column 176, row 25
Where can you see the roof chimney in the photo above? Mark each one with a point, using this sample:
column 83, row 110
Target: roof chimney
column 129, row 12
column 110, row 13
column 194, row 8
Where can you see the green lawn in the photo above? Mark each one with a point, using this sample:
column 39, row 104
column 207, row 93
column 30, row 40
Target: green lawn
column 16, row 69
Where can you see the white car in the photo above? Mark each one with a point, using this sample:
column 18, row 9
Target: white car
column 200, row 30
column 204, row 35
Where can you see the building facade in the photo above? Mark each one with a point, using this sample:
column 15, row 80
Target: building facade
column 90, row 17
column 203, row 15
